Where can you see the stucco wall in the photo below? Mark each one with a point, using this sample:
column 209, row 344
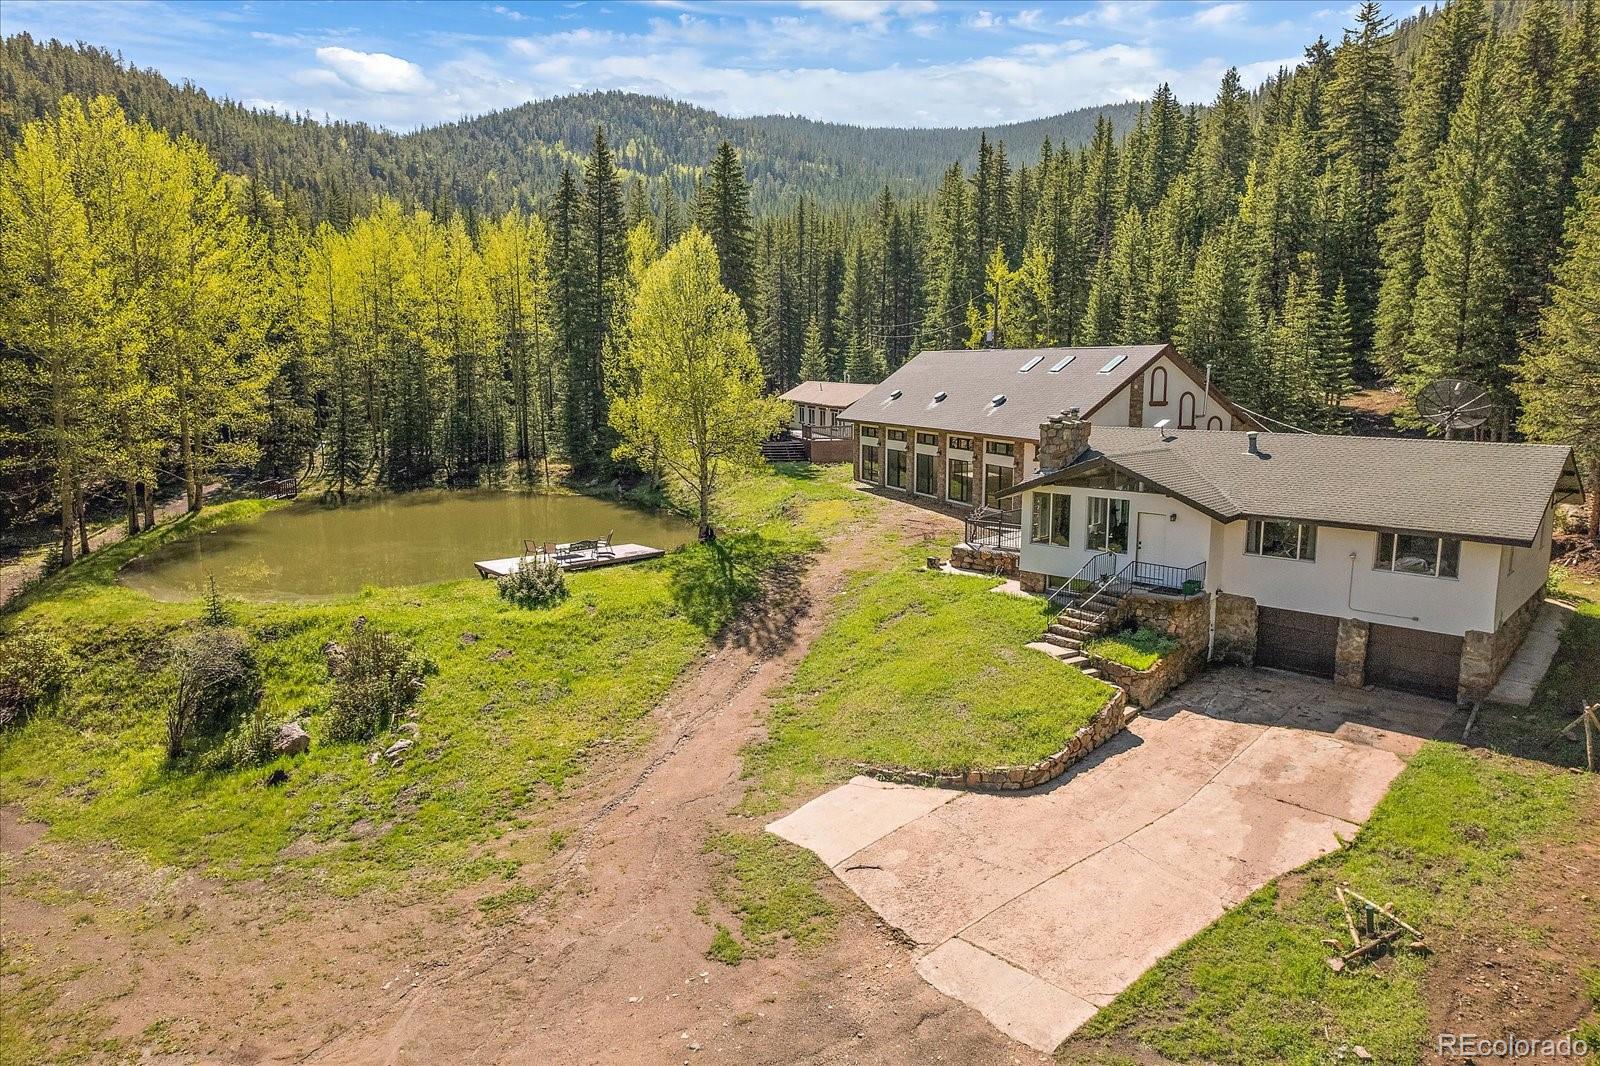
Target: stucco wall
column 1326, row 586
column 1186, row 541
column 1523, row 571
column 1177, row 384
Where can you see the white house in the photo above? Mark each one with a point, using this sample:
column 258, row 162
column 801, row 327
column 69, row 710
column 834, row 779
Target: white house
column 961, row 427
column 1412, row 564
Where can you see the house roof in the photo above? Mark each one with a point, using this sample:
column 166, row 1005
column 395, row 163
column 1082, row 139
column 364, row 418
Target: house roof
column 827, row 393
column 1493, row 492
column 971, row 380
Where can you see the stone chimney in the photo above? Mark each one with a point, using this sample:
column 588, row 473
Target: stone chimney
column 1062, row 439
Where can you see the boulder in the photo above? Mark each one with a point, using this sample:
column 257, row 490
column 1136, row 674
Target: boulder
column 395, row 750
column 292, row 739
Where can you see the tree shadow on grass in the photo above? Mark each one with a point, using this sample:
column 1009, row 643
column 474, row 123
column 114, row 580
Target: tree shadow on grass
column 744, row 588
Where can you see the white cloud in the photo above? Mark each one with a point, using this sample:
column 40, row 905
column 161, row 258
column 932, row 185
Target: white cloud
column 507, row 12
column 1220, row 15
column 375, row 72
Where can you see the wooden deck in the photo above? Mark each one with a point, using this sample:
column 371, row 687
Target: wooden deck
column 587, row 560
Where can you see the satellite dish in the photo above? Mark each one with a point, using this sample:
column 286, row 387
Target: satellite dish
column 1452, row 404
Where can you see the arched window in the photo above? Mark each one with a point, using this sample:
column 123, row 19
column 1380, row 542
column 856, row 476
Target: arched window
column 1158, row 387
column 1213, row 422
column 1186, row 411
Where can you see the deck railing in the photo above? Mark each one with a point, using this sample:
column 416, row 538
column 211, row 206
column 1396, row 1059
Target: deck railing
column 1165, row 578
column 995, row 530
column 836, row 431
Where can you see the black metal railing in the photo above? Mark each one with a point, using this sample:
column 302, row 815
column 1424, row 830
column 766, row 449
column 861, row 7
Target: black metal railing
column 995, row 530
column 1092, row 574
column 1163, row 578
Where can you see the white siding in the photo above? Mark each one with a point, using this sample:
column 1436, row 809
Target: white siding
column 1117, row 409
column 1523, row 571
column 1345, row 587
column 1186, row 540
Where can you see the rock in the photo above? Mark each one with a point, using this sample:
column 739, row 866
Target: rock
column 1362, row 1053
column 277, row 777
column 292, row 739
column 397, row 749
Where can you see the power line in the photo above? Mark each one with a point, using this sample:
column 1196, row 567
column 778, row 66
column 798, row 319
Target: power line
column 1275, row 421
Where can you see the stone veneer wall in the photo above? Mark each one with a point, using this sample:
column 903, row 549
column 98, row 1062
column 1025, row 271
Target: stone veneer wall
column 1350, row 653
column 1184, row 619
column 1236, row 629
column 985, row 560
column 1485, row 655
column 1107, row 722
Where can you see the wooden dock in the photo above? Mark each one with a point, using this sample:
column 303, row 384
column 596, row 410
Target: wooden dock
column 580, row 560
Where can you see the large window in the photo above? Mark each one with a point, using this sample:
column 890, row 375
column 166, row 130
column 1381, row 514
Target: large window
column 1052, row 518
column 1158, row 387
column 925, row 468
column 959, row 489
column 897, row 468
column 1000, row 447
column 1108, row 525
column 1186, row 411
column 1281, row 539
column 869, row 463
column 996, row 479
column 961, row 444
column 1407, row 553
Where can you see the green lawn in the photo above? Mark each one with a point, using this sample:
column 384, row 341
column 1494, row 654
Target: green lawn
column 919, row 669
column 520, row 702
column 1443, row 844
column 1138, row 648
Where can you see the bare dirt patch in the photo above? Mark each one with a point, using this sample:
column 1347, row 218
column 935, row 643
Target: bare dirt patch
column 596, row 953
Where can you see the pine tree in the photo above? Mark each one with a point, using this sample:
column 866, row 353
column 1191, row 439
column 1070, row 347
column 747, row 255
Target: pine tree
column 600, row 249
column 1559, row 377
column 1216, row 325
column 723, row 212
column 814, row 361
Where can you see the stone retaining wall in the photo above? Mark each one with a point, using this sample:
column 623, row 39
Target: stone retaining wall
column 1236, row 629
column 1107, row 722
column 1145, row 687
column 984, row 560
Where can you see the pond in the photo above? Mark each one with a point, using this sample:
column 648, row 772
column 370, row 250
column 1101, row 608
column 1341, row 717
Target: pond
column 305, row 550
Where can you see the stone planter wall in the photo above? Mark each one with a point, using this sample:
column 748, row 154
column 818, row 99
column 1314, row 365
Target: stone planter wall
column 1485, row 655
column 1107, row 722
column 984, row 560
column 1145, row 687
column 1184, row 619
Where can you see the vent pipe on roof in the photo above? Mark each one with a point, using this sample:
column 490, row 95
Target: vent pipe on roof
column 998, row 400
column 895, row 395
column 1250, row 443
column 938, row 397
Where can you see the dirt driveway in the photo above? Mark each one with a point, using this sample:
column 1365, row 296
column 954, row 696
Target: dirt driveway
column 1038, row 909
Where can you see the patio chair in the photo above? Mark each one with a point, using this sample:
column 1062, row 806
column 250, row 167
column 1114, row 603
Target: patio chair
column 602, row 547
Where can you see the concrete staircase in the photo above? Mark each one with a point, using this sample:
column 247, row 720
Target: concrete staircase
column 785, row 450
column 1081, row 619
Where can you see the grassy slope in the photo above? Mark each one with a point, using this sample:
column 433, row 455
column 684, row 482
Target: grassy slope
column 920, row 669
column 519, row 702
column 1253, row 987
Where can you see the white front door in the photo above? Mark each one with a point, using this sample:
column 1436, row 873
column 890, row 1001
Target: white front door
column 1151, row 543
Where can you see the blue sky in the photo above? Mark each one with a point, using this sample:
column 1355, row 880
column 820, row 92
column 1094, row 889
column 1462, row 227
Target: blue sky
column 872, row 62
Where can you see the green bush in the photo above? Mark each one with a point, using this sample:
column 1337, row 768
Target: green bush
column 247, row 744
column 216, row 684
column 376, row 676
column 33, row 673
column 535, row 583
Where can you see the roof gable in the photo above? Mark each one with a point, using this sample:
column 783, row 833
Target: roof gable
column 827, row 393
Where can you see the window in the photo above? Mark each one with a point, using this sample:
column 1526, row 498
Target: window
column 960, row 487
column 1062, row 364
column 1108, row 525
column 1030, row 364
column 1281, row 539
column 897, row 434
column 1186, row 411
column 1158, row 387
column 1052, row 514
column 1000, row 447
column 869, row 432
column 1407, row 553
column 869, row 462
column 1213, row 422
column 897, row 468
column 961, row 444
column 996, row 479
column 930, row 439
column 925, row 461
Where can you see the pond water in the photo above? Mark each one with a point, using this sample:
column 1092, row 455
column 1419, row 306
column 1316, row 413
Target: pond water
column 307, row 550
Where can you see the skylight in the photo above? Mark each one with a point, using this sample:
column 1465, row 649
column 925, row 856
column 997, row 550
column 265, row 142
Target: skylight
column 1030, row 364
column 1062, row 364
column 1109, row 367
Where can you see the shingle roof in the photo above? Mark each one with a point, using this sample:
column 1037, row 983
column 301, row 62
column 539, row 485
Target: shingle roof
column 1477, row 491
column 971, row 379
column 827, row 393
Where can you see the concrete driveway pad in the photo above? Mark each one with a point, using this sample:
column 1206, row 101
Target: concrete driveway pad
column 1036, row 908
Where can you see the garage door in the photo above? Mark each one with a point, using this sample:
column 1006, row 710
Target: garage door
column 1414, row 660
column 1294, row 640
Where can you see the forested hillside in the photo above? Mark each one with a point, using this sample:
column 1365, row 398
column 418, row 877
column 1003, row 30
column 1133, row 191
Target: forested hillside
column 1400, row 210
column 513, row 157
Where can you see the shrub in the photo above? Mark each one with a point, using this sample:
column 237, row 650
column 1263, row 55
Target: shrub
column 33, row 673
column 217, row 684
column 376, row 676
column 54, row 561
column 216, row 612
column 247, row 744
column 533, row 584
